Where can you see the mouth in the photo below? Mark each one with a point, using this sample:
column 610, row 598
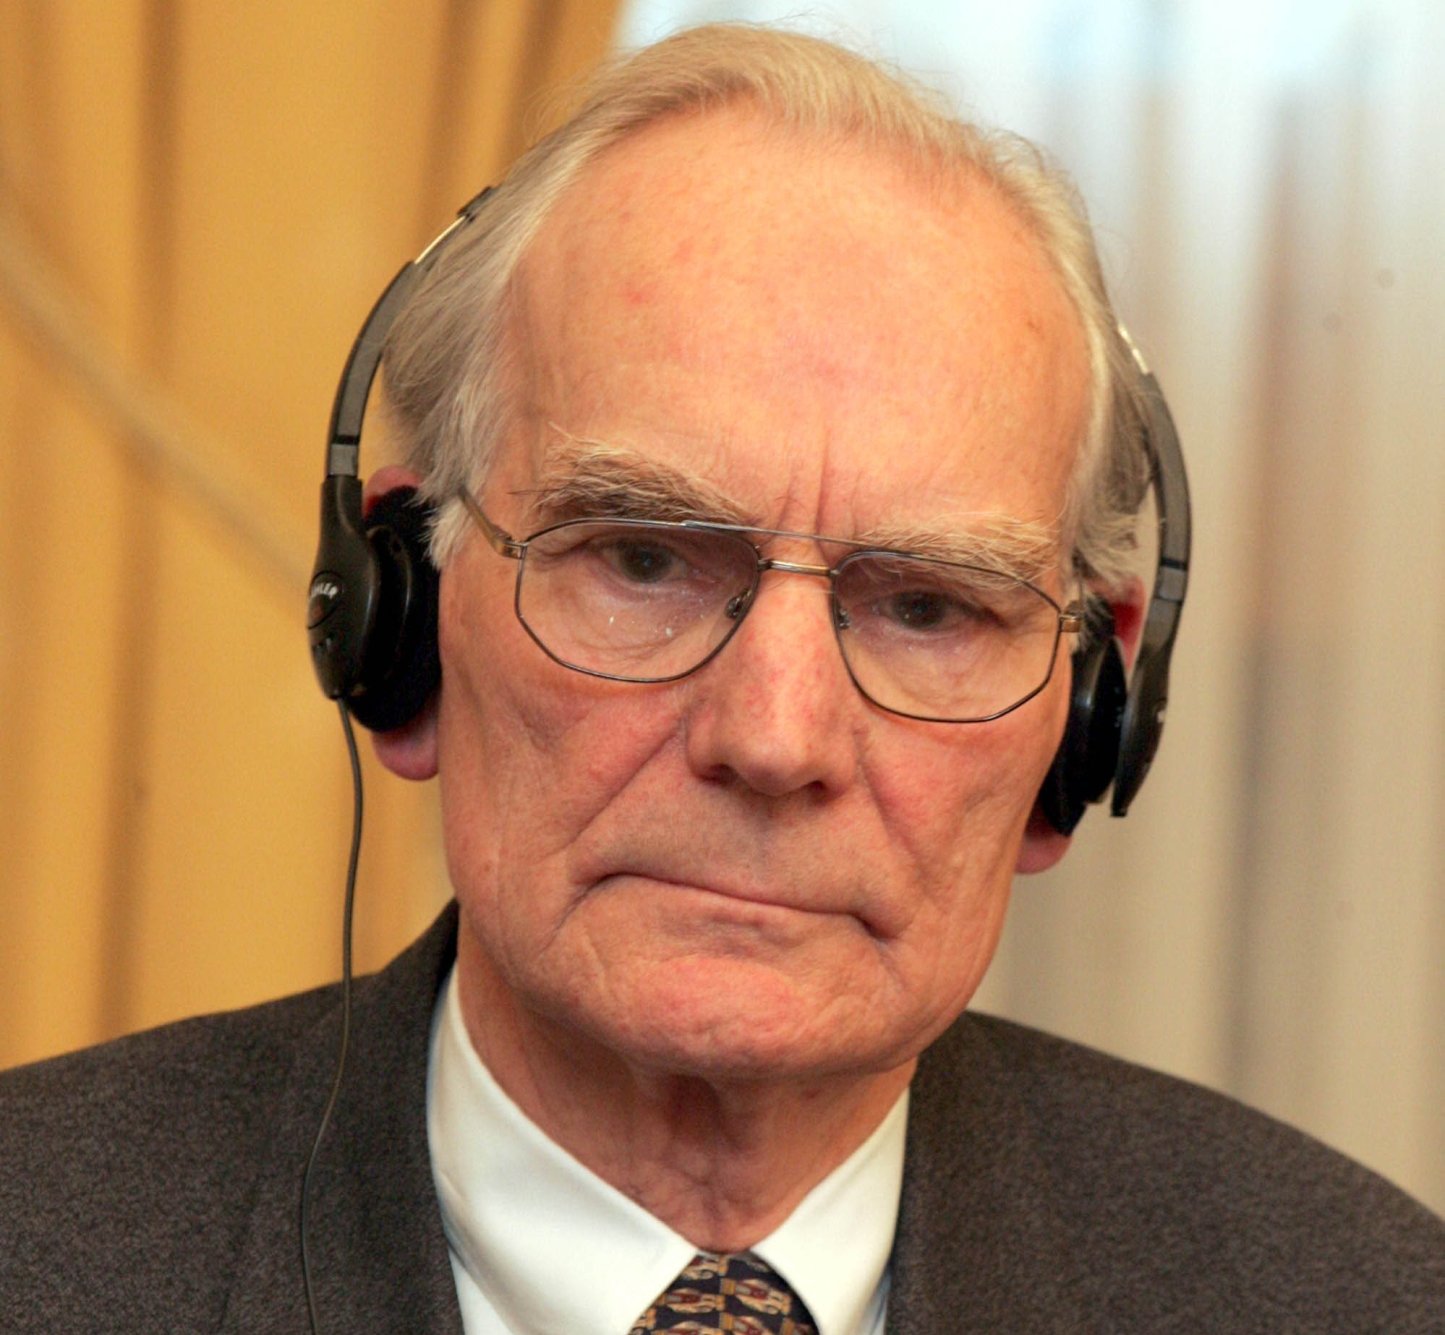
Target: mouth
column 737, row 898
column 712, row 887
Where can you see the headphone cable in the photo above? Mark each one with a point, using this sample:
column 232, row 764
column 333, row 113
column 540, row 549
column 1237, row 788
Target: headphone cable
column 346, row 915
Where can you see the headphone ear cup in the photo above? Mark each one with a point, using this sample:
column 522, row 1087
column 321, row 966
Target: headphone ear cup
column 1089, row 752
column 400, row 667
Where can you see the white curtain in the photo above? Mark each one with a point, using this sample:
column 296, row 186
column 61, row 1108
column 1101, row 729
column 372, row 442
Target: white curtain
column 1268, row 180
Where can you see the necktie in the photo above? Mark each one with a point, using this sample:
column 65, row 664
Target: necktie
column 735, row 1292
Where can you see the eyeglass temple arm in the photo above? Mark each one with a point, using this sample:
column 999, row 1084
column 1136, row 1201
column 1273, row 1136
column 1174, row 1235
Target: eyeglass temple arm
column 502, row 542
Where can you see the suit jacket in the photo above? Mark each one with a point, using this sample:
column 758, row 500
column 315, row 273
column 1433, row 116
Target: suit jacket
column 153, row 1185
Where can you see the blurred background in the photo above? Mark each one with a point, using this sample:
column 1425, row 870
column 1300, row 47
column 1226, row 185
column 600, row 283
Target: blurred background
column 198, row 204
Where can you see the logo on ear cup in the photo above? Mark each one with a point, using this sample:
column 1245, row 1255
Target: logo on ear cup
column 321, row 601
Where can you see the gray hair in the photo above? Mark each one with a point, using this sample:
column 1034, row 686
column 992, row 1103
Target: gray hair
column 447, row 357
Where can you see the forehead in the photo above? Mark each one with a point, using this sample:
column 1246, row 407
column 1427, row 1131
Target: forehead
column 831, row 336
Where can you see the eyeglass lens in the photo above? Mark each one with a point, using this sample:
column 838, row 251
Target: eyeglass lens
column 652, row 602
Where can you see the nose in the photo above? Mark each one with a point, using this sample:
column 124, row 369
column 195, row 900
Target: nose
column 776, row 709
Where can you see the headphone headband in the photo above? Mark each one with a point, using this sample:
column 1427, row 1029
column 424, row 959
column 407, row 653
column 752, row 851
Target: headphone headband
column 1143, row 721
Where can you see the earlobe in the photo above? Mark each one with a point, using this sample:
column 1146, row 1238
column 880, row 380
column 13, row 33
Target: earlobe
column 1042, row 846
column 410, row 751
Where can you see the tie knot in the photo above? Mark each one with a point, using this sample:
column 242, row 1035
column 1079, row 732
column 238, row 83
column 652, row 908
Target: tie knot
column 734, row 1292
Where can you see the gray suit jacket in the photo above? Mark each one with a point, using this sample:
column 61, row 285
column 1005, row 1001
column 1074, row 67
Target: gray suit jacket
column 153, row 1185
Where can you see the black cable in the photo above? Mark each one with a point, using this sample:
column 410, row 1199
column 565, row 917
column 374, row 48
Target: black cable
column 349, row 904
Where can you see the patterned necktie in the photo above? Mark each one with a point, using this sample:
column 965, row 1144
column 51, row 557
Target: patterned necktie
column 735, row 1292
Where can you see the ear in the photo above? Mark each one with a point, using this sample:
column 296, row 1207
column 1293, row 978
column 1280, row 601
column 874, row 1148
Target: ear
column 386, row 480
column 410, row 751
column 1128, row 604
column 1043, row 846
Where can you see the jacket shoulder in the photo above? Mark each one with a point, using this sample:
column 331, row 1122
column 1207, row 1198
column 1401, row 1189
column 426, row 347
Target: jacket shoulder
column 1192, row 1203
column 127, row 1169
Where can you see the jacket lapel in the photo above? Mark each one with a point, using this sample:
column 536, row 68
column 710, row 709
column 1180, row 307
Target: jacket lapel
column 377, row 1251
column 979, row 1246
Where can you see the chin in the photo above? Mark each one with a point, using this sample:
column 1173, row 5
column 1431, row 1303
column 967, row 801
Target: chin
column 724, row 1022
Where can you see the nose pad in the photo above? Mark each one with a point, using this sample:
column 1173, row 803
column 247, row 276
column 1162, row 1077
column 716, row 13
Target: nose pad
column 738, row 604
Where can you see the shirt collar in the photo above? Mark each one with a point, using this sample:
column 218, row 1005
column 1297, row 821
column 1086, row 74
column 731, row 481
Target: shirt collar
column 553, row 1247
column 834, row 1247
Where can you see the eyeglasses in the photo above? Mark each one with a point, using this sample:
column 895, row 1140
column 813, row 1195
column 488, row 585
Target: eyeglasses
column 648, row 601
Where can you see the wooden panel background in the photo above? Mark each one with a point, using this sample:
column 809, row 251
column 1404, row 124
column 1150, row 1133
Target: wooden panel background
column 198, row 203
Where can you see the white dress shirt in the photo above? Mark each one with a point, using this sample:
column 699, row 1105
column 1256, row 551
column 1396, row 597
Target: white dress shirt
column 540, row 1245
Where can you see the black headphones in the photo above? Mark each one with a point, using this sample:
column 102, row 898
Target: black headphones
column 1115, row 722
column 372, row 610
column 371, row 615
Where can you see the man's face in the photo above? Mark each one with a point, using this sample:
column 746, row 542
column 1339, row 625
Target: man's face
column 753, row 871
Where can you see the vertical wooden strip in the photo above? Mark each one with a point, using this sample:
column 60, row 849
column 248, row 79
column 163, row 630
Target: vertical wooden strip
column 459, row 37
column 539, row 37
column 138, row 577
column 71, row 153
column 28, row 123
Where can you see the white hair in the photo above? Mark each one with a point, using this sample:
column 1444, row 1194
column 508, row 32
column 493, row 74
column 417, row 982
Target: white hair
column 447, row 357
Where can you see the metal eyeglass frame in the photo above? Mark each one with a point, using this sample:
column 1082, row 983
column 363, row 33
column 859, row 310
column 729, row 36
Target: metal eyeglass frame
column 1070, row 619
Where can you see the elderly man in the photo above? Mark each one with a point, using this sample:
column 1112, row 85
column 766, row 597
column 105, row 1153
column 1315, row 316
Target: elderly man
column 775, row 431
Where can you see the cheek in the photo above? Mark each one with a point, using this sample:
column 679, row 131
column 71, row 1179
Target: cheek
column 958, row 815
column 958, row 808
column 970, row 781
column 529, row 752
column 494, row 736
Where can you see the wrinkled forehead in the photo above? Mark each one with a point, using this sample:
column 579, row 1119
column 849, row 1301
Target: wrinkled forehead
column 814, row 327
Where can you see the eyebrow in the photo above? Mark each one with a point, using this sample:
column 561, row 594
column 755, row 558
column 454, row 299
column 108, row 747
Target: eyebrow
column 595, row 479
column 584, row 478
column 1003, row 544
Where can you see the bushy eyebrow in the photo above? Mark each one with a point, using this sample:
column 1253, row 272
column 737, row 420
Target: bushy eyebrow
column 591, row 478
column 583, row 478
column 1000, row 543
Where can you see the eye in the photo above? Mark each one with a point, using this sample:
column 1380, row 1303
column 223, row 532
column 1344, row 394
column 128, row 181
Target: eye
column 925, row 611
column 630, row 554
column 645, row 562
column 638, row 559
column 909, row 596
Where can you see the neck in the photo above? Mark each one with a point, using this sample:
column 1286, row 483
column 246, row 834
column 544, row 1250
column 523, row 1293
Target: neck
column 721, row 1161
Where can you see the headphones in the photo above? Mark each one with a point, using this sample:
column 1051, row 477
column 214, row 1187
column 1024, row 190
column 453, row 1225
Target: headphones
column 372, row 610
column 1116, row 720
